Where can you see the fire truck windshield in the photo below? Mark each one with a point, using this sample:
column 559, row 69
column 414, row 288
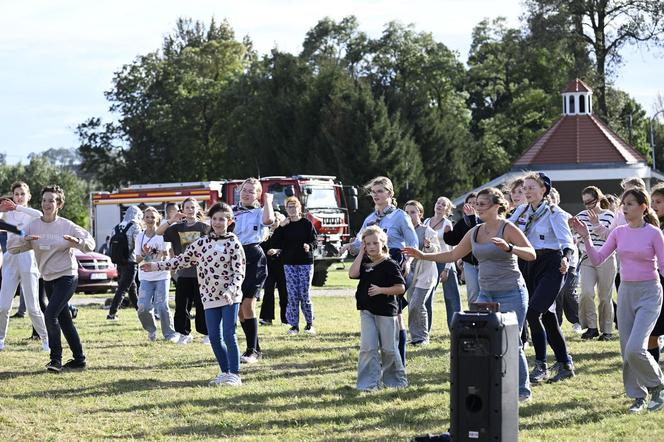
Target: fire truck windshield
column 321, row 198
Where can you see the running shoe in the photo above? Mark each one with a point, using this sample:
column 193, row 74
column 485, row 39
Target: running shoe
column 152, row 336
column 563, row 371
column 185, row 339
column 54, row 366
column 540, row 372
column 293, row 330
column 74, row 364
column 310, row 329
column 250, row 357
column 656, row 398
column 638, row 406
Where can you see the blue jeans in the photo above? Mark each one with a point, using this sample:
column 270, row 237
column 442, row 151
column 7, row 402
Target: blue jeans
column 223, row 320
column 450, row 293
column 57, row 317
column 154, row 295
column 515, row 300
column 379, row 363
column 471, row 275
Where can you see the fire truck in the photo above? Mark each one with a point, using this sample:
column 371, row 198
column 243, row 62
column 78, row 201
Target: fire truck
column 326, row 202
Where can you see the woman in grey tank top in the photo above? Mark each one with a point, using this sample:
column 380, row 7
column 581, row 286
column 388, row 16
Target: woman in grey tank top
column 496, row 244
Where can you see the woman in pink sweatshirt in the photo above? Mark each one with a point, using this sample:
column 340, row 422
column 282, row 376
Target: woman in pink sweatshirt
column 52, row 239
column 640, row 246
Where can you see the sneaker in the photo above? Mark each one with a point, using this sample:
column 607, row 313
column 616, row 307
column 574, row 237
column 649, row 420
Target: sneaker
column 73, row 310
column 656, row 398
column 525, row 397
column 310, row 329
column 206, row 339
column 264, row 322
column 219, row 379
column 250, row 357
column 74, row 364
column 45, row 346
column 152, row 336
column 2, row 345
column 293, row 330
column 605, row 337
column 185, row 339
column 111, row 317
column 174, row 338
column 233, row 380
column 540, row 372
column 54, row 366
column 591, row 333
column 563, row 371
column 638, row 406
column 577, row 328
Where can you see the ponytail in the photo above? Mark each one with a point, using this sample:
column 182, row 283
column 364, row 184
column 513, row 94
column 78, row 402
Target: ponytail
column 650, row 217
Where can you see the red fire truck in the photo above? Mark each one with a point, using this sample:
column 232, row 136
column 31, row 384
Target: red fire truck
column 325, row 201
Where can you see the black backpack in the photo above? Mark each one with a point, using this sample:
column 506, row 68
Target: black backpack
column 118, row 248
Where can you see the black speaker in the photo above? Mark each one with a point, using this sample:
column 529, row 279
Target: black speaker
column 484, row 380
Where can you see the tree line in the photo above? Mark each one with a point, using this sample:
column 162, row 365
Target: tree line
column 206, row 105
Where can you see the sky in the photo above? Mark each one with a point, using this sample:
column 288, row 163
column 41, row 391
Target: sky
column 58, row 58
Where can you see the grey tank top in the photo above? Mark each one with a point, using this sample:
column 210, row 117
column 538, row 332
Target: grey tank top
column 498, row 270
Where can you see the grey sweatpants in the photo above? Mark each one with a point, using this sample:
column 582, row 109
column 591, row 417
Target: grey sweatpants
column 418, row 317
column 639, row 304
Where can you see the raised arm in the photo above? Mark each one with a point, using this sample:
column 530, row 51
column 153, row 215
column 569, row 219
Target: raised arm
column 456, row 253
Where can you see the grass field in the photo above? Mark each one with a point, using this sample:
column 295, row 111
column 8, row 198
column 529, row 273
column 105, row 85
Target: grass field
column 302, row 391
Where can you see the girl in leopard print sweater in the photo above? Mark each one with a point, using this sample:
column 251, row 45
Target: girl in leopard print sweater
column 220, row 267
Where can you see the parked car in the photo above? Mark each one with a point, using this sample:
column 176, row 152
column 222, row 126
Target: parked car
column 96, row 273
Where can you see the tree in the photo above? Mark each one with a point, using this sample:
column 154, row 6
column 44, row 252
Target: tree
column 605, row 27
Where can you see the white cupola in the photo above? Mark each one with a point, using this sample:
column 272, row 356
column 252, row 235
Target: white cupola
column 577, row 98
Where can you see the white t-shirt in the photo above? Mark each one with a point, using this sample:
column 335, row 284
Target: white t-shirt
column 157, row 245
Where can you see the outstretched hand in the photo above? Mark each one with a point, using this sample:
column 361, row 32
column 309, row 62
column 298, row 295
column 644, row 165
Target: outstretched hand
column 71, row 239
column 7, row 205
column 412, row 252
column 579, row 227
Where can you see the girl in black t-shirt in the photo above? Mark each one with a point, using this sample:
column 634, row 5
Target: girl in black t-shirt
column 380, row 282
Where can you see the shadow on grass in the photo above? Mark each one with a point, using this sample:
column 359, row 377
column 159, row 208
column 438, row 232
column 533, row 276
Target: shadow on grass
column 582, row 415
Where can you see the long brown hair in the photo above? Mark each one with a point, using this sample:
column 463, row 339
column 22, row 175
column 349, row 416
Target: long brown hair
column 642, row 197
column 496, row 197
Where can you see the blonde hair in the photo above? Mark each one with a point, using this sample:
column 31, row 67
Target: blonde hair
column 448, row 202
column 380, row 234
column 386, row 183
column 257, row 185
column 293, row 199
column 155, row 212
column 634, row 181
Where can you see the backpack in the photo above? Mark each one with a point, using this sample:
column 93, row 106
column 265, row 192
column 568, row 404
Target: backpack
column 118, row 248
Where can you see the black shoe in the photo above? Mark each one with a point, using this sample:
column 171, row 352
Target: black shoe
column 591, row 333
column 605, row 337
column 264, row 322
column 54, row 366
column 564, row 371
column 74, row 311
column 74, row 364
column 18, row 315
column 112, row 317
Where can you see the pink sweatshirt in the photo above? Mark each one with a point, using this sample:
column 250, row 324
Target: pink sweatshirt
column 639, row 250
column 54, row 254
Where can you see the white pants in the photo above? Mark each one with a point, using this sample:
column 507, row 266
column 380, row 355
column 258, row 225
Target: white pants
column 21, row 269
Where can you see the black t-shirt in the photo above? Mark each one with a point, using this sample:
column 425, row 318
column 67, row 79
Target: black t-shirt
column 384, row 274
column 180, row 235
column 291, row 239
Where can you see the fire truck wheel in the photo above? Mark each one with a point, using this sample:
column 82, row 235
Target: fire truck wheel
column 319, row 278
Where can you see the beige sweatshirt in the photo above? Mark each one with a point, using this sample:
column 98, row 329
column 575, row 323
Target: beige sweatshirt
column 54, row 254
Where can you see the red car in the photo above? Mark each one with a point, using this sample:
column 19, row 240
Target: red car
column 96, row 273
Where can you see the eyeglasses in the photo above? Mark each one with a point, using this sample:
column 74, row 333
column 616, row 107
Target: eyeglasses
column 483, row 205
column 592, row 202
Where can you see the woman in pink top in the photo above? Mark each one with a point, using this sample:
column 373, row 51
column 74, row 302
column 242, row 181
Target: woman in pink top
column 640, row 245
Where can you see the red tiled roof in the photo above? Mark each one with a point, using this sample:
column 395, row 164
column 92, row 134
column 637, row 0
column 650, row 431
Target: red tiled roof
column 576, row 86
column 579, row 139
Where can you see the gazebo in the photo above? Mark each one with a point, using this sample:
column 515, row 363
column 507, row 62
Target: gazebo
column 579, row 150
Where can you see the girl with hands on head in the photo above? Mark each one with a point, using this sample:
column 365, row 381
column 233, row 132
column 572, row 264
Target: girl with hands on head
column 380, row 283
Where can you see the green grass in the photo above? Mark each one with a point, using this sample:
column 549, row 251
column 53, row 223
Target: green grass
column 302, row 391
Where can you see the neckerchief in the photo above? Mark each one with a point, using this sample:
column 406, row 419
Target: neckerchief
column 214, row 236
column 537, row 214
column 380, row 216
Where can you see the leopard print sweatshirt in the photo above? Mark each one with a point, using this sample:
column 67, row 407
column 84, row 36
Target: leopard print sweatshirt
column 220, row 266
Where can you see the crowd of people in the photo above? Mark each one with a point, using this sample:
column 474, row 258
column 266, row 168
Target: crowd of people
column 513, row 246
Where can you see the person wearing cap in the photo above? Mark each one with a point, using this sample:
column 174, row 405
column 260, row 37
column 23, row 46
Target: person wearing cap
column 546, row 228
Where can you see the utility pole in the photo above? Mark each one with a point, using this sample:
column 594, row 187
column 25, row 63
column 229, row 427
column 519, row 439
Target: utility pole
column 652, row 138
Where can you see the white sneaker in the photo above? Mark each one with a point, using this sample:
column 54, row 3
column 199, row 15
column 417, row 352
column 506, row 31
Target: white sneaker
column 174, row 338
column 250, row 357
column 206, row 339
column 233, row 380
column 152, row 336
column 185, row 339
column 45, row 347
column 577, row 328
column 2, row 345
column 219, row 379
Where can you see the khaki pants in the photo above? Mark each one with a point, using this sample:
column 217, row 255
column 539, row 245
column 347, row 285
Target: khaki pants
column 601, row 277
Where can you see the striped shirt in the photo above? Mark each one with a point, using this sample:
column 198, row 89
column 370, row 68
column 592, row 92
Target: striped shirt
column 605, row 220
